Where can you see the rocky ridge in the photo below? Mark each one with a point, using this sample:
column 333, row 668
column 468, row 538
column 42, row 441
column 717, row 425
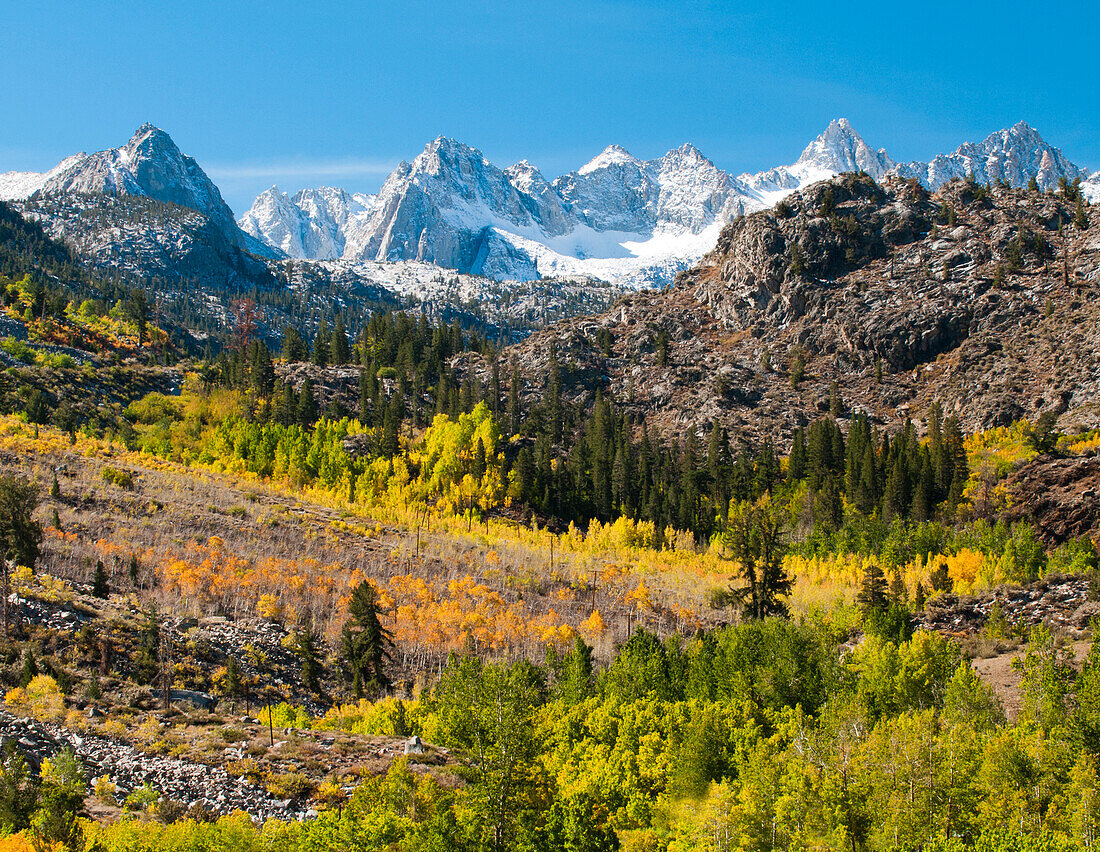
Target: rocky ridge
column 1059, row 603
column 898, row 296
column 187, row 783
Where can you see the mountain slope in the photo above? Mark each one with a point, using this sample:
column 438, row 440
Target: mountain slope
column 861, row 279
column 149, row 165
column 634, row 222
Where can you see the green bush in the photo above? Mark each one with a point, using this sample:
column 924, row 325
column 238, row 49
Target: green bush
column 118, row 478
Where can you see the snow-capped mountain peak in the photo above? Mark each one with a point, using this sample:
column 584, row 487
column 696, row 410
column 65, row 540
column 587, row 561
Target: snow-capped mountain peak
column 841, row 149
column 612, row 155
column 1015, row 154
column 149, row 164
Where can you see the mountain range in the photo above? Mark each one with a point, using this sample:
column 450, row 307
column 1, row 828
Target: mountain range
column 615, row 223
column 618, row 218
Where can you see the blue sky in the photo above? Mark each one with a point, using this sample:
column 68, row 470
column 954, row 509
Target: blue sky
column 336, row 93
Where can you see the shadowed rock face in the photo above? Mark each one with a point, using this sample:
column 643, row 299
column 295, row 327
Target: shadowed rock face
column 972, row 298
column 1062, row 496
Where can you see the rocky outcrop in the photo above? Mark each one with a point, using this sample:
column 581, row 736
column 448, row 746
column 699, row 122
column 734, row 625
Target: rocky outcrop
column 985, row 301
column 1061, row 495
column 1060, row 603
column 179, row 780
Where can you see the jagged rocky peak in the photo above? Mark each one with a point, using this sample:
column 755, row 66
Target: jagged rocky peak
column 895, row 301
column 1014, row 155
column 841, row 149
column 152, row 165
column 619, row 218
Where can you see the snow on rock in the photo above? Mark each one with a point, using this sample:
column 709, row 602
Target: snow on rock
column 1091, row 188
column 148, row 165
column 1015, row 155
column 629, row 221
column 16, row 186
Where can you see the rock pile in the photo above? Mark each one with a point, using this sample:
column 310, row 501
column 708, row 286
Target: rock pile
column 1060, row 603
column 178, row 780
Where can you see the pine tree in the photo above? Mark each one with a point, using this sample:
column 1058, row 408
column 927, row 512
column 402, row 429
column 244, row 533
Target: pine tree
column 365, row 643
column 306, row 412
column 232, row 677
column 797, row 367
column 796, row 469
column 321, row 344
column 514, row 414
column 30, row 668
column 339, row 353
column 836, row 400
column 294, row 348
column 872, row 595
column 100, row 587
column 306, row 643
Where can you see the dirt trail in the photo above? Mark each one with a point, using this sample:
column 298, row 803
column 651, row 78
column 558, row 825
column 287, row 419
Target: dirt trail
column 998, row 673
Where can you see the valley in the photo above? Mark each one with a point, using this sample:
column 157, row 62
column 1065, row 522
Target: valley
column 319, row 536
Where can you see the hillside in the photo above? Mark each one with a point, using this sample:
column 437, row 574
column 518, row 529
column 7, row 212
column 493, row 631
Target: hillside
column 891, row 296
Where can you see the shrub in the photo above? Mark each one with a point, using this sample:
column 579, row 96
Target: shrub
column 105, row 790
column 289, row 785
column 41, row 698
column 142, row 799
column 118, row 478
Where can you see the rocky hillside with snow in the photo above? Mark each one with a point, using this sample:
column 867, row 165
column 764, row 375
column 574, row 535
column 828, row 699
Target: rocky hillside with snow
column 524, row 250
column 149, row 165
column 625, row 220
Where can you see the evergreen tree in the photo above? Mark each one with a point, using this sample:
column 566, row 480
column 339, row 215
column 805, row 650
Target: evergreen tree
column 100, row 587
column 232, row 677
column 514, row 414
column 872, row 595
column 30, row 667
column 20, row 533
column 339, row 353
column 312, row 670
column 365, row 643
column 321, row 344
column 294, row 348
column 754, row 537
column 796, row 466
column 306, row 409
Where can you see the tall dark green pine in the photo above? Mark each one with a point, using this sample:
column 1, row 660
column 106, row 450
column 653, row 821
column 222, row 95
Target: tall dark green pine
column 872, row 595
column 100, row 587
column 365, row 644
column 719, row 466
column 796, row 470
column 312, row 668
column 554, row 410
column 339, row 353
column 867, row 491
column 294, row 348
column 321, row 343
column 514, row 414
column 307, row 404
